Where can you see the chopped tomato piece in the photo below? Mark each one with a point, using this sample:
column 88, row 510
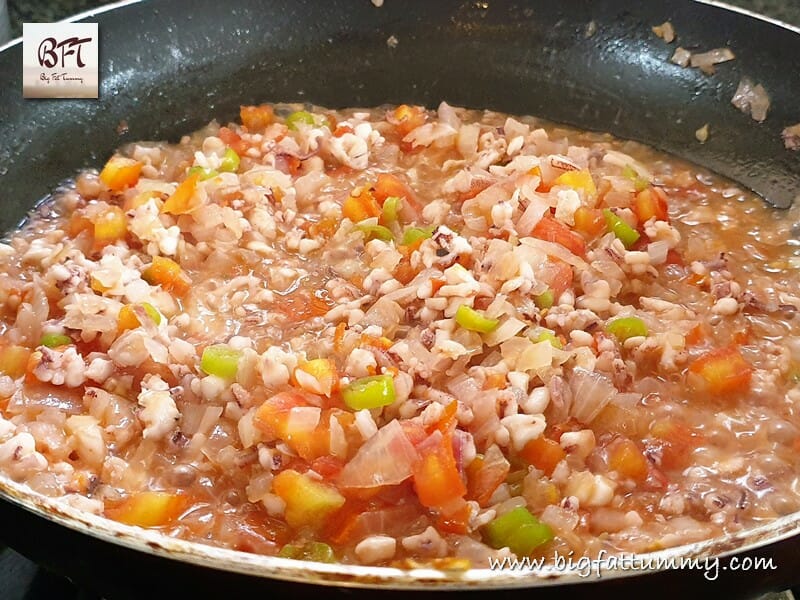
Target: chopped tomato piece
column 181, row 200
column 485, row 474
column 649, row 203
column 447, row 422
column 550, row 229
column 256, row 117
column 558, row 276
column 696, row 335
column 148, row 509
column 120, row 173
column 327, row 466
column 676, row 441
column 476, row 186
column 233, row 140
column 456, row 521
column 300, row 305
column 722, row 371
column 436, row 477
column 360, row 205
column 168, row 274
column 407, row 118
column 543, row 453
column 625, row 458
column 674, row 258
column 389, row 185
column 273, row 415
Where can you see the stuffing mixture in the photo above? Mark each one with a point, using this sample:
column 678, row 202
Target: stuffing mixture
column 398, row 336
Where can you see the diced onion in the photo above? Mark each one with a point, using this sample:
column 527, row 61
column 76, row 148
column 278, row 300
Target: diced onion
column 658, row 251
column 590, row 392
column 302, row 419
column 505, row 331
column 532, row 215
column 385, row 459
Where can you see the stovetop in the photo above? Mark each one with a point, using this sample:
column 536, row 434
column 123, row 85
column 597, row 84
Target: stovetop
column 21, row 579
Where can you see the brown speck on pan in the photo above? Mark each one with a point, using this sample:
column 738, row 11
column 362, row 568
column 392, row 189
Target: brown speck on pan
column 591, row 29
column 122, row 128
column 791, row 137
column 392, row 41
column 665, row 31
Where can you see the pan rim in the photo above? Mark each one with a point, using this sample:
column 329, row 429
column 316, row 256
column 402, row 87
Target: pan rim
column 268, row 567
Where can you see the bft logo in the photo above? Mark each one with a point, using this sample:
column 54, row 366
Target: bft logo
column 60, row 60
column 53, row 53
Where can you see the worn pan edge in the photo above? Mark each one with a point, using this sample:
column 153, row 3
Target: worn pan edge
column 356, row 576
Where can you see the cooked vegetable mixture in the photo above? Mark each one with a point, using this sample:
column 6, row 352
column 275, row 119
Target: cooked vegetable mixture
column 402, row 337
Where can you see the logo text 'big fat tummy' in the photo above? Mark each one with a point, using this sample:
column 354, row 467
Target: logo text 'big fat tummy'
column 60, row 60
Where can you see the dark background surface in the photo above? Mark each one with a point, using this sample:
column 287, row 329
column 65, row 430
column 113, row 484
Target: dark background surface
column 23, row 580
column 44, row 11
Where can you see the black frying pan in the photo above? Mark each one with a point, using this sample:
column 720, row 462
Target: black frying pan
column 169, row 67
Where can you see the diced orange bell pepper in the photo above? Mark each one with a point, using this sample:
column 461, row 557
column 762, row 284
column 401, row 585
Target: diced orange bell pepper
column 120, row 173
column 625, row 458
column 580, row 180
column 181, row 202
column 552, row 230
column 651, row 202
column 323, row 371
column 308, row 502
column 14, row 360
column 110, row 225
column 149, row 509
column 722, row 371
column 256, row 117
column 128, row 319
column 360, row 205
column 589, row 221
column 543, row 453
column 168, row 274
column 436, row 477
column 134, row 202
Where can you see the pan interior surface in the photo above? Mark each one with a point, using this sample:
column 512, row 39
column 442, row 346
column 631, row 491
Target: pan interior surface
column 167, row 70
